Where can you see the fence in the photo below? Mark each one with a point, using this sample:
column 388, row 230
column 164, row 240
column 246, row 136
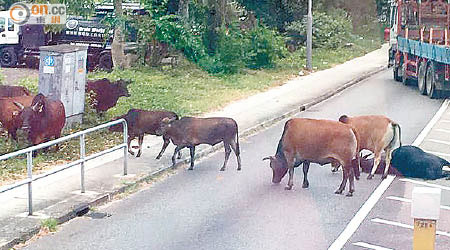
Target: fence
column 81, row 161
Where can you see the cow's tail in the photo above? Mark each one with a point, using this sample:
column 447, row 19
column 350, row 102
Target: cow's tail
column 397, row 137
column 358, row 149
column 238, row 148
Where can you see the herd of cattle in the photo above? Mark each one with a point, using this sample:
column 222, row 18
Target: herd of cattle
column 303, row 140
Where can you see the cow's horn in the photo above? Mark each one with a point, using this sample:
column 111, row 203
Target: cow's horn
column 19, row 105
column 267, row 158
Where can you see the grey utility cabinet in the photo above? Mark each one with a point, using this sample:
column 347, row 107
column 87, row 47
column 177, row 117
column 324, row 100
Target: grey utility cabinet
column 62, row 76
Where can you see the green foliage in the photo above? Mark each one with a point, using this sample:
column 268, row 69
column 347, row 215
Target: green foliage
column 265, row 46
column 50, row 224
column 329, row 30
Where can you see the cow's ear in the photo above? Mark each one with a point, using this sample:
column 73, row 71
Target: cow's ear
column 343, row 119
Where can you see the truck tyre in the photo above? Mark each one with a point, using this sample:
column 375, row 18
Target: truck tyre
column 430, row 79
column 105, row 62
column 8, row 57
column 421, row 80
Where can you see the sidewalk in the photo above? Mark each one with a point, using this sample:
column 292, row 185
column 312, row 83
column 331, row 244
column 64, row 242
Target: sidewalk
column 59, row 195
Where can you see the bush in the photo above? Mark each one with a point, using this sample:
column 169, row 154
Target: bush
column 329, row 30
column 265, row 46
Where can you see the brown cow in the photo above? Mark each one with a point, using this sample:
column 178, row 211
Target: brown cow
column 318, row 141
column 190, row 132
column 9, row 109
column 13, row 91
column 142, row 122
column 104, row 94
column 376, row 133
column 44, row 119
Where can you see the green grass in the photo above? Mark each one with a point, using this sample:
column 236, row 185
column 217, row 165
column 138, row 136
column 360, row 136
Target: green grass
column 185, row 89
column 50, row 224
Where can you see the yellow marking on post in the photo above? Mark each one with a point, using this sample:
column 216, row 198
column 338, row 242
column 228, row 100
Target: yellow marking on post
column 424, row 234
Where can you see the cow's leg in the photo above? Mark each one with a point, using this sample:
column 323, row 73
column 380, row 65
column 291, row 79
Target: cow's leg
column 227, row 147
column 335, row 166
column 351, row 186
column 179, row 155
column 376, row 162
column 192, row 151
column 388, row 158
column 130, row 138
column 165, row 144
column 237, row 152
column 177, row 149
column 140, row 141
column 344, row 181
column 305, row 174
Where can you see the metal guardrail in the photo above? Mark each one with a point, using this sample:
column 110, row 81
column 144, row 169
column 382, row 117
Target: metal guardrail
column 81, row 161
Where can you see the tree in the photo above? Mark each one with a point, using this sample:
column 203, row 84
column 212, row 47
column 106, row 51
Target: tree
column 117, row 46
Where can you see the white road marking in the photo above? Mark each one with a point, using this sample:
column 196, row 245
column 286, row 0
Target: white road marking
column 443, row 130
column 362, row 213
column 370, row 246
column 444, row 120
column 439, row 141
column 437, row 153
column 425, row 184
column 398, row 224
column 395, row 198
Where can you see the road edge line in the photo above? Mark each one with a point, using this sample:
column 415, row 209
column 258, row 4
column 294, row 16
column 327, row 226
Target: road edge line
column 362, row 213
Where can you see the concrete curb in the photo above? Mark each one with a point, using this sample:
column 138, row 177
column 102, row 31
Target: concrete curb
column 81, row 209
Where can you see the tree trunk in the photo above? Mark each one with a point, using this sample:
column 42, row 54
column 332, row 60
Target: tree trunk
column 117, row 46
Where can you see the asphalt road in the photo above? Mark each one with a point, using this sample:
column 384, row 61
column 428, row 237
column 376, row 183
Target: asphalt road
column 209, row 209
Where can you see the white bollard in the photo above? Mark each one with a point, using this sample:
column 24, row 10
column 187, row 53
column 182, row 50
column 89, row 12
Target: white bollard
column 425, row 210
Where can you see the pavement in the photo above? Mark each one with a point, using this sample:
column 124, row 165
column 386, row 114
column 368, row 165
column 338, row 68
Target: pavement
column 58, row 196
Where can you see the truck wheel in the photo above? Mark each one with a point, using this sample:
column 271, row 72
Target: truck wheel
column 421, row 82
column 8, row 57
column 430, row 79
column 105, row 62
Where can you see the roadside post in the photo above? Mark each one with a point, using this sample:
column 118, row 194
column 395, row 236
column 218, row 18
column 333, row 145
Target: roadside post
column 425, row 211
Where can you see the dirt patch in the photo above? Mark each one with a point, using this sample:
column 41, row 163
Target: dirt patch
column 10, row 76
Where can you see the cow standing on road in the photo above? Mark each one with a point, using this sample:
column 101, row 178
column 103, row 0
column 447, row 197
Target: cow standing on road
column 190, row 132
column 44, row 119
column 104, row 94
column 9, row 109
column 306, row 141
column 142, row 122
column 376, row 133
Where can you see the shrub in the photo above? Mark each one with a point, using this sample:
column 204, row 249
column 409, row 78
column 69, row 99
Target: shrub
column 264, row 47
column 329, row 30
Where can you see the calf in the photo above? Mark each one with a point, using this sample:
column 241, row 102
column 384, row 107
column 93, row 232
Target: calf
column 375, row 133
column 10, row 106
column 44, row 119
column 317, row 141
column 13, row 91
column 104, row 94
column 411, row 161
column 142, row 122
column 190, row 132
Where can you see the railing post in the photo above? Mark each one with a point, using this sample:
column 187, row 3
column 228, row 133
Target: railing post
column 125, row 149
column 30, row 180
column 82, row 156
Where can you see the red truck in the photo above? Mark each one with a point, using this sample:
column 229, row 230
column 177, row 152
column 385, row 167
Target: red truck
column 419, row 44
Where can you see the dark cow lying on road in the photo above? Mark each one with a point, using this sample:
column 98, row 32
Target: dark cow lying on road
column 190, row 132
column 104, row 94
column 44, row 119
column 375, row 133
column 142, row 122
column 411, row 161
column 9, row 109
column 13, row 91
column 306, row 141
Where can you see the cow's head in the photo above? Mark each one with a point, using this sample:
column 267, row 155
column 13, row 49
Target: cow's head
column 121, row 87
column 164, row 125
column 29, row 115
column 279, row 168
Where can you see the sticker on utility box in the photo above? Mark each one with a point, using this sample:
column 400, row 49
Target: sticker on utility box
column 49, row 70
column 49, row 65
